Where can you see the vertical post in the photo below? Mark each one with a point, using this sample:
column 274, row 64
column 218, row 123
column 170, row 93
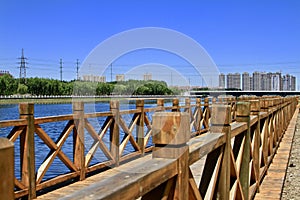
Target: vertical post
column 7, row 169
column 214, row 100
column 255, row 109
column 243, row 115
column 26, row 111
column 160, row 104
column 199, row 114
column 175, row 105
column 221, row 119
column 79, row 158
column 170, row 136
column 207, row 113
column 188, row 106
column 140, row 125
column 115, row 131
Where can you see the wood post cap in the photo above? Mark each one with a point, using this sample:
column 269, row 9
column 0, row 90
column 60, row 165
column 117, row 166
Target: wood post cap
column 78, row 106
column 243, row 109
column 221, row 114
column 5, row 143
column 26, row 108
column 170, row 128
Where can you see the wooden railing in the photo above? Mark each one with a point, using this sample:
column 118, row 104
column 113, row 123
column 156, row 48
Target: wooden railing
column 239, row 141
column 114, row 129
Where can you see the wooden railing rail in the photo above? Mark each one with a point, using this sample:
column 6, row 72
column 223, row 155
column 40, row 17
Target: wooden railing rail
column 262, row 130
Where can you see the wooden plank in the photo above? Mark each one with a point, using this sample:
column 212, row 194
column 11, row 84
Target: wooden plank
column 204, row 144
column 115, row 131
column 42, row 120
column 6, row 169
column 16, row 122
column 98, row 114
column 79, row 158
column 137, row 177
column 27, row 147
column 140, row 126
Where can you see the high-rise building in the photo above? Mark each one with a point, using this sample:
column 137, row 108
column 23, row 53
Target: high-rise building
column 256, row 81
column 234, row 80
column 147, row 77
column 222, row 80
column 260, row 81
column 229, row 80
column 266, row 81
column 276, row 81
column 293, row 83
column 246, row 81
column 286, row 82
column 93, row 78
column 120, row 77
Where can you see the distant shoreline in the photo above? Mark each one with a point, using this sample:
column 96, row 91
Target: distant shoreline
column 64, row 100
column 51, row 100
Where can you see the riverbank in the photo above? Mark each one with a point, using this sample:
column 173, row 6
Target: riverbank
column 69, row 99
column 51, row 100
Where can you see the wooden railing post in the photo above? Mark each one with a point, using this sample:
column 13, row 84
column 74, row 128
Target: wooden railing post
column 243, row 115
column 175, row 105
column 140, row 125
column 27, row 149
column 255, row 110
column 206, row 111
column 115, row 131
column 170, row 136
column 7, row 166
column 220, row 123
column 199, row 114
column 160, row 104
column 79, row 158
column 188, row 106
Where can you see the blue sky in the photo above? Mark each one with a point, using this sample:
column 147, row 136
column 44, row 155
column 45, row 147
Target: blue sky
column 238, row 35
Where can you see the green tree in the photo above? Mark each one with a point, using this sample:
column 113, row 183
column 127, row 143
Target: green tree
column 22, row 89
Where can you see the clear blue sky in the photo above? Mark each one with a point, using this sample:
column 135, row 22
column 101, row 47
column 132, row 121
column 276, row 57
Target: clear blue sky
column 240, row 36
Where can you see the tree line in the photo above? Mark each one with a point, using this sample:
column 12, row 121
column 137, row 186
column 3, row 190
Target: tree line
column 45, row 86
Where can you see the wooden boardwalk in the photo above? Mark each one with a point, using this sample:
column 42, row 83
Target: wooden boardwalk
column 272, row 185
column 200, row 151
column 270, row 188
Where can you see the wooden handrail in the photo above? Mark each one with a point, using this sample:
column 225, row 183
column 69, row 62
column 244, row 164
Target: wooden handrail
column 265, row 112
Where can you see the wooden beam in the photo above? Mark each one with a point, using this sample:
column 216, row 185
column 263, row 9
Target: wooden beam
column 170, row 136
column 7, row 169
column 79, row 158
column 26, row 111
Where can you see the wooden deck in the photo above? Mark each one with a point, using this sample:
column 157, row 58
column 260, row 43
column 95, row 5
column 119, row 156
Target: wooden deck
column 272, row 185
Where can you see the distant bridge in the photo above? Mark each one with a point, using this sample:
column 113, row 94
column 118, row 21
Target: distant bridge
column 239, row 93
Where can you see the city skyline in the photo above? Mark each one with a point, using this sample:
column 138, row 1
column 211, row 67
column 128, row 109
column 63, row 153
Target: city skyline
column 258, row 81
column 252, row 35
